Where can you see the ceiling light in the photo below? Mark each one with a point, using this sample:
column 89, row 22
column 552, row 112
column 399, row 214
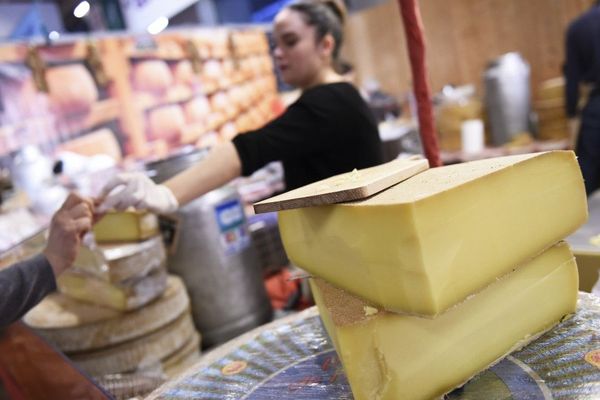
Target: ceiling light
column 158, row 25
column 82, row 9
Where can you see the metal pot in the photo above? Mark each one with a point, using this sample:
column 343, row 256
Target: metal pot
column 216, row 260
column 507, row 97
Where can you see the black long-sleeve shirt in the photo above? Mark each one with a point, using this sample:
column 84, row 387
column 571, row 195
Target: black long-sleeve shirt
column 22, row 286
column 329, row 130
column 583, row 56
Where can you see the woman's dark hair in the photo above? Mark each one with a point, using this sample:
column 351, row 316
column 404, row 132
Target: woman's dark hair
column 326, row 16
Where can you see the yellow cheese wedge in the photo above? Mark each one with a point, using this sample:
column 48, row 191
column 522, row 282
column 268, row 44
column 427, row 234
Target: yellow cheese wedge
column 390, row 356
column 125, row 296
column 125, row 226
column 432, row 240
column 119, row 262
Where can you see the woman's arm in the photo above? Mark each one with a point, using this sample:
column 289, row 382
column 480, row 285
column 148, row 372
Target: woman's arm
column 221, row 165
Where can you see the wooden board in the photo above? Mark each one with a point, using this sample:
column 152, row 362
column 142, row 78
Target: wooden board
column 349, row 186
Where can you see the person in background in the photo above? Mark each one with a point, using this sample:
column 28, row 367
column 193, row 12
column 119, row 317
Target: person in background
column 25, row 284
column 583, row 67
column 329, row 130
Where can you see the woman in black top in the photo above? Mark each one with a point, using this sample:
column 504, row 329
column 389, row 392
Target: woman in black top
column 327, row 131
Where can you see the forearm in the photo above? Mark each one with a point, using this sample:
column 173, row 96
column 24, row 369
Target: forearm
column 22, row 286
column 220, row 166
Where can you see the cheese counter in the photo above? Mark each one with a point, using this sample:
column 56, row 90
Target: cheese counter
column 585, row 244
column 293, row 358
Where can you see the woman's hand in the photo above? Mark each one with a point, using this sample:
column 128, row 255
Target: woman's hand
column 137, row 190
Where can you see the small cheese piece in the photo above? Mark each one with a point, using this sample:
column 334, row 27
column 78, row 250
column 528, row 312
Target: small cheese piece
column 124, row 296
column 139, row 353
column 74, row 326
column 119, row 262
column 391, row 356
column 427, row 243
column 125, row 226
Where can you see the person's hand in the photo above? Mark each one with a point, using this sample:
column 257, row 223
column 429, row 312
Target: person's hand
column 137, row 190
column 68, row 225
column 573, row 132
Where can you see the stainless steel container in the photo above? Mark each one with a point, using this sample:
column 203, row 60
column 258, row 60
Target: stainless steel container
column 507, row 97
column 216, row 260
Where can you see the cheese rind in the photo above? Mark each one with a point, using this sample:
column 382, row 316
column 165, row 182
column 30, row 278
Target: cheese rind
column 123, row 296
column 119, row 262
column 139, row 353
column 73, row 326
column 390, row 356
column 429, row 242
column 125, row 226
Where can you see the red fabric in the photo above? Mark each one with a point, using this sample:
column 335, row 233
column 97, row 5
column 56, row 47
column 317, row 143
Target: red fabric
column 413, row 27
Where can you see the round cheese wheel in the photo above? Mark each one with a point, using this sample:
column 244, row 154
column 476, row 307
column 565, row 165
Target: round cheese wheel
column 71, row 88
column 152, row 76
column 184, row 73
column 166, row 122
column 197, row 109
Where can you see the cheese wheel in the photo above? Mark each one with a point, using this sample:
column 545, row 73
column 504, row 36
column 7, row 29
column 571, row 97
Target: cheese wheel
column 152, row 76
column 184, row 73
column 197, row 109
column 166, row 122
column 71, row 88
column 139, row 353
column 75, row 326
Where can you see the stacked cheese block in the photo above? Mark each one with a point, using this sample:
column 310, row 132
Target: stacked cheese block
column 550, row 108
column 427, row 283
column 118, row 311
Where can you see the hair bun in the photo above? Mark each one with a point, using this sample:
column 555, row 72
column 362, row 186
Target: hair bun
column 338, row 7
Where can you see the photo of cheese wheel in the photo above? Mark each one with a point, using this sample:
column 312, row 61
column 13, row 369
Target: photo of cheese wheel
column 166, row 123
column 71, row 89
column 197, row 109
column 152, row 76
column 212, row 70
column 184, row 74
column 219, row 102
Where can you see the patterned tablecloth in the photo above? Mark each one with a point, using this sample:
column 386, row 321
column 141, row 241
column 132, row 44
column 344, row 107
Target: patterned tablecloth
column 292, row 358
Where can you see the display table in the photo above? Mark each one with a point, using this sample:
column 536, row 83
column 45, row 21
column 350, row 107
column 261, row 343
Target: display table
column 585, row 244
column 292, row 358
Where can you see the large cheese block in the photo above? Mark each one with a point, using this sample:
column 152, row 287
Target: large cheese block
column 390, row 356
column 75, row 326
column 119, row 262
column 140, row 353
column 125, row 226
column 123, row 296
column 427, row 243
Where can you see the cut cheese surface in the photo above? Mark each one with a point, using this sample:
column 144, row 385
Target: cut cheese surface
column 390, row 356
column 73, row 325
column 430, row 241
column 119, row 262
column 124, row 296
column 125, row 226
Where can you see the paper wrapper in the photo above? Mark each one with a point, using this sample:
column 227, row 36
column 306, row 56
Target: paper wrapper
column 293, row 358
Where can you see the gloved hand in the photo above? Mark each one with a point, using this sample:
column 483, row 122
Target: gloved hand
column 137, row 190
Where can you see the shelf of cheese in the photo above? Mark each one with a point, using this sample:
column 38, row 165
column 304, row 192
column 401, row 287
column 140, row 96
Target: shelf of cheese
column 458, row 263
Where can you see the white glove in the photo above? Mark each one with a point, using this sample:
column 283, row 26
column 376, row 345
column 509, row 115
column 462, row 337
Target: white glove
column 137, row 190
